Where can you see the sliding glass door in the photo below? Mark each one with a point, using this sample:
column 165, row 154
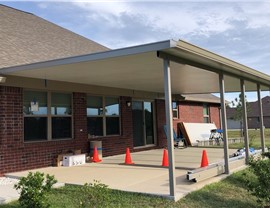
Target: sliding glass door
column 143, row 123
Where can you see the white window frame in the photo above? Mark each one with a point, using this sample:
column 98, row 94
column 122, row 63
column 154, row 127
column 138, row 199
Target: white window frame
column 49, row 115
column 175, row 110
column 206, row 105
column 104, row 116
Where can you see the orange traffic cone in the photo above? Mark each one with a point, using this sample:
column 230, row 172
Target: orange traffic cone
column 165, row 161
column 128, row 160
column 95, row 156
column 204, row 161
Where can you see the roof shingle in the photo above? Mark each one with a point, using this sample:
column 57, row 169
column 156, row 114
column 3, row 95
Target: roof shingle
column 26, row 38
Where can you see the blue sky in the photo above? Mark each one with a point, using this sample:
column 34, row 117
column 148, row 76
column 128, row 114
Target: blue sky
column 239, row 30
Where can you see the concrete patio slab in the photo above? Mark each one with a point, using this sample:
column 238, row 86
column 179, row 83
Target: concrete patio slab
column 145, row 176
column 7, row 191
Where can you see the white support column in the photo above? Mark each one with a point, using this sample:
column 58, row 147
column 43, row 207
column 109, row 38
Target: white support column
column 168, row 107
column 261, row 117
column 224, row 123
column 245, row 121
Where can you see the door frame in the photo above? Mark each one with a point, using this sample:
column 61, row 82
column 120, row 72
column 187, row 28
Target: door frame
column 144, row 129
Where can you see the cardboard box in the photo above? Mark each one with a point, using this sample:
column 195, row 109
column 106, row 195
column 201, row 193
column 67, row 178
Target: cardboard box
column 77, row 152
column 73, row 160
column 59, row 160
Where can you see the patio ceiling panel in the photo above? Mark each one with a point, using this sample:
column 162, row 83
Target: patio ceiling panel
column 186, row 53
column 136, row 72
column 138, row 68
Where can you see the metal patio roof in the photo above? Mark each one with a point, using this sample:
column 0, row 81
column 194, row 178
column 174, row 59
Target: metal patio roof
column 193, row 69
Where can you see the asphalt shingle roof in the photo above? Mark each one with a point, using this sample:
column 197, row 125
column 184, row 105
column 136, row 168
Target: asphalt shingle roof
column 26, row 38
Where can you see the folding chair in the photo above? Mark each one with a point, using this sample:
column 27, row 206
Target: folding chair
column 175, row 138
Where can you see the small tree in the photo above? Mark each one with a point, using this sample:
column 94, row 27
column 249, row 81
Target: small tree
column 238, row 115
column 34, row 189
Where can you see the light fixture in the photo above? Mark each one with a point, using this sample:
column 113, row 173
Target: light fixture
column 2, row 79
column 128, row 103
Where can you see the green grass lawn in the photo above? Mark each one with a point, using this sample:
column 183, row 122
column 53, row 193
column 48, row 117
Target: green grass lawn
column 230, row 192
column 254, row 138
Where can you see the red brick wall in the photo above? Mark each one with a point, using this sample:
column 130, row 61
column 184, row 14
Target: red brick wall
column 11, row 126
column 188, row 112
column 160, row 122
column 16, row 155
column 192, row 112
column 215, row 114
column 80, row 122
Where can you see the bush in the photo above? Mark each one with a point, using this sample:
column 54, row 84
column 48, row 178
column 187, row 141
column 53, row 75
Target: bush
column 95, row 195
column 259, row 186
column 34, row 189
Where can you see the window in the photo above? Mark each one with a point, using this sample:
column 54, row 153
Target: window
column 35, row 112
column 206, row 118
column 174, row 109
column 103, row 116
column 44, row 120
column 61, row 115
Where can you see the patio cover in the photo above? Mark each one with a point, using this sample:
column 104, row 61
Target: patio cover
column 138, row 68
column 172, row 67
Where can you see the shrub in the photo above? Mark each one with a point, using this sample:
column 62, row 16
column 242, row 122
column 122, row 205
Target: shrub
column 259, row 186
column 95, row 195
column 34, row 189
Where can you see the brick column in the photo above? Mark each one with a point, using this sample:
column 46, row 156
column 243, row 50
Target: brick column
column 11, row 128
column 160, row 122
column 80, row 122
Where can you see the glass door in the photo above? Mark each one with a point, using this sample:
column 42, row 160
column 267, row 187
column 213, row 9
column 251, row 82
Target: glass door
column 143, row 123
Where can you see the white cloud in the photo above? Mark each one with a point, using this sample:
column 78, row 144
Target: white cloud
column 257, row 15
column 172, row 19
column 239, row 31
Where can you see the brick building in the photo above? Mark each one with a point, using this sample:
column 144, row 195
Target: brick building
column 43, row 118
column 50, row 104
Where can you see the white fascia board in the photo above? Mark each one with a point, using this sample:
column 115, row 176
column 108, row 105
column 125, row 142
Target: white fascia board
column 95, row 56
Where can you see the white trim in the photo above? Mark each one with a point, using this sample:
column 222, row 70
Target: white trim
column 95, row 56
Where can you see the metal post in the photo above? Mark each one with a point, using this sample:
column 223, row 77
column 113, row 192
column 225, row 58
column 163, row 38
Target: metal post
column 224, row 123
column 261, row 117
column 168, row 107
column 244, row 106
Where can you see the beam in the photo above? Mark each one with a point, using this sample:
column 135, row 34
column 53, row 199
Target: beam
column 168, row 107
column 244, row 107
column 261, row 117
column 224, row 123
